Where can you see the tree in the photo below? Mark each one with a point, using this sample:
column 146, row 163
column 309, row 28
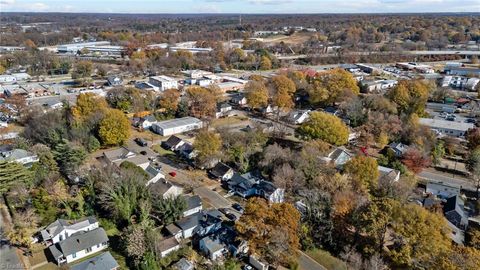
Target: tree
column 257, row 94
column 208, row 145
column 202, row 102
column 473, row 165
column 69, row 157
column 438, row 152
column 364, row 172
column 328, row 87
column 271, row 231
column 134, row 238
column 410, row 96
column 87, row 105
column 283, row 91
column 473, row 138
column 265, row 63
column 13, row 173
column 326, row 127
column 114, row 128
column 167, row 211
column 169, row 100
column 473, row 236
column 82, row 69
column 419, row 237
column 415, row 160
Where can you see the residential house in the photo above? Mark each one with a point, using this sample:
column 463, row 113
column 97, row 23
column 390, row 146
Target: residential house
column 122, row 154
column 79, row 245
column 104, row 261
column 154, row 173
column 61, row 229
column 168, row 245
column 239, row 99
column 398, row 148
column 8, row 154
column 165, row 189
column 173, row 143
column 210, row 222
column 146, row 122
column 388, row 175
column 188, row 225
column 187, row 151
column 299, row 116
column 174, row 230
column 455, row 213
column 194, row 205
column 442, row 190
column 378, row 86
column 269, row 191
column 183, row 264
column 243, row 185
column 221, row 171
column 114, row 80
column 338, row 157
column 212, row 247
column 333, row 110
column 223, row 109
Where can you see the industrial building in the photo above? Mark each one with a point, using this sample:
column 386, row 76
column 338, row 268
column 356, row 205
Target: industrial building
column 176, row 126
column 73, row 48
column 163, row 82
column 444, row 127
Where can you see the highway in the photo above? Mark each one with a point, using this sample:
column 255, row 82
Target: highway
column 444, row 52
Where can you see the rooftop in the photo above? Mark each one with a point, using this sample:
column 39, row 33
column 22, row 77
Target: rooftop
column 444, row 124
column 104, row 261
column 178, row 122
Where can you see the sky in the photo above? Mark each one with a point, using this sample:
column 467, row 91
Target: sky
column 241, row 6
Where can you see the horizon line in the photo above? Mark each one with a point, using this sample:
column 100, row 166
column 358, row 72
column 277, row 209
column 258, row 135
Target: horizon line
column 248, row 13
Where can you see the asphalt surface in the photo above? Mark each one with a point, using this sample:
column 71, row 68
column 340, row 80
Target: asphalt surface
column 8, row 255
column 307, row 263
column 433, row 177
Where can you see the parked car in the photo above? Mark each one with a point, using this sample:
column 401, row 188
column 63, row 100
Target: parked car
column 231, row 216
column 470, row 120
column 172, row 174
column 225, row 211
column 141, row 142
column 237, row 207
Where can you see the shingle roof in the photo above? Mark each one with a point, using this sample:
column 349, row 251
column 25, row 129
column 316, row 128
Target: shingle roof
column 159, row 187
column 104, row 261
column 213, row 245
column 189, row 222
column 220, row 170
column 60, row 224
column 172, row 141
column 168, row 243
column 81, row 241
column 193, row 201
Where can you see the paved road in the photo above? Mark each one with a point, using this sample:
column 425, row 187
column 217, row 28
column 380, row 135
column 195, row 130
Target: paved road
column 212, row 197
column 307, row 263
column 8, row 255
column 434, row 177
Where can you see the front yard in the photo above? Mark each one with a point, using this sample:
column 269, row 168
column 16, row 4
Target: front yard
column 328, row 261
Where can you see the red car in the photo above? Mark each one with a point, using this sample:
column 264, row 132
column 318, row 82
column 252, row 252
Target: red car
column 172, row 174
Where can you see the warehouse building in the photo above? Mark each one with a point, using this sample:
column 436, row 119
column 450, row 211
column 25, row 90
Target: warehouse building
column 163, row 82
column 444, row 127
column 176, row 126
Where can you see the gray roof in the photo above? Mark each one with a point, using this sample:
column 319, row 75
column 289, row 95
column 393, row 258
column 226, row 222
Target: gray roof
column 116, row 154
column 178, row 122
column 266, row 187
column 82, row 240
column 104, row 261
column 172, row 141
column 60, row 224
column 15, row 154
column 193, row 201
column 189, row 222
column 173, row 229
column 220, row 169
column 168, row 243
column 159, row 187
column 212, row 245
column 244, row 181
column 444, row 124
column 183, row 264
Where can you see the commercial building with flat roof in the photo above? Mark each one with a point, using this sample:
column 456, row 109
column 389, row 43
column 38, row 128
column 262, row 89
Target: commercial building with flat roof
column 449, row 128
column 163, row 82
column 176, row 126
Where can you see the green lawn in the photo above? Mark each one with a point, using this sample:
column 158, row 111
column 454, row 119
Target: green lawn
column 328, row 261
column 161, row 151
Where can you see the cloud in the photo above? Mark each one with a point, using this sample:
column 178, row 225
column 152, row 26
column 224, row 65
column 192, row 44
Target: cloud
column 7, row 2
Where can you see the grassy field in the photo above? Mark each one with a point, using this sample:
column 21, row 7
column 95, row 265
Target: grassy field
column 324, row 258
column 161, row 151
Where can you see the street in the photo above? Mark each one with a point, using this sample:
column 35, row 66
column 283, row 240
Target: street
column 8, row 255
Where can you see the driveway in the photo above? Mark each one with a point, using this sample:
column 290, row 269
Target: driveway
column 8, row 255
column 305, row 262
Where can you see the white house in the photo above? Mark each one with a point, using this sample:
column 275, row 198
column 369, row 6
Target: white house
column 165, row 189
column 18, row 155
column 338, row 157
column 221, row 171
column 299, row 116
column 388, row 174
column 194, row 205
column 147, row 122
column 154, row 174
column 79, row 245
column 270, row 192
column 173, row 143
column 213, row 248
column 176, row 126
column 119, row 155
column 168, row 245
column 163, row 82
column 223, row 109
column 61, row 229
